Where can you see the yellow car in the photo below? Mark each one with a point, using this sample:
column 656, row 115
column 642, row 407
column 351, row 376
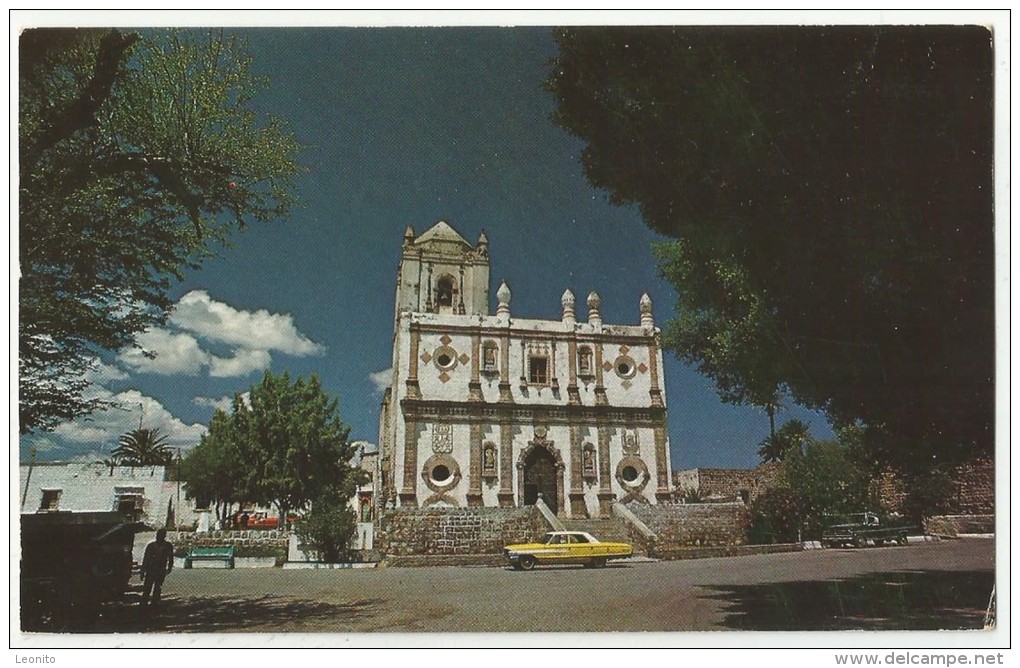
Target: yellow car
column 565, row 547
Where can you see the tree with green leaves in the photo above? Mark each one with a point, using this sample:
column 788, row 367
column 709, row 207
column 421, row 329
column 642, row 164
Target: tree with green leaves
column 142, row 447
column 213, row 470
column 829, row 483
column 286, row 443
column 138, row 156
column 829, row 198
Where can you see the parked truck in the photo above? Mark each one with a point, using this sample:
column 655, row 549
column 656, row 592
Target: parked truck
column 859, row 529
column 71, row 563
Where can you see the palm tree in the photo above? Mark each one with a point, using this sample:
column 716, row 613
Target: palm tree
column 791, row 436
column 143, row 447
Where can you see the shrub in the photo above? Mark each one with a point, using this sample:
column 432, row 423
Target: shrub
column 775, row 517
column 328, row 528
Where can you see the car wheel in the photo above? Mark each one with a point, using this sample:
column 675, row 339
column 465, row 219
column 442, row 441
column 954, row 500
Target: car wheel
column 859, row 541
column 527, row 562
column 516, row 565
column 902, row 539
column 598, row 563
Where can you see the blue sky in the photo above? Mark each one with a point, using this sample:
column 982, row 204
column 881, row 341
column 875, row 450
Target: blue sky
column 401, row 127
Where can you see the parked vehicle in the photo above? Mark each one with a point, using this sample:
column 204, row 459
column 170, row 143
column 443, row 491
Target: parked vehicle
column 565, row 547
column 268, row 521
column 71, row 563
column 858, row 530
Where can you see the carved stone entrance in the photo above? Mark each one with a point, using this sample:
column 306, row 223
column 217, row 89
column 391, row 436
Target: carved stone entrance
column 540, row 478
column 540, row 471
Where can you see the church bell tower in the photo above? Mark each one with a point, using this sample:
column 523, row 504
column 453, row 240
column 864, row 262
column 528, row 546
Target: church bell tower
column 440, row 272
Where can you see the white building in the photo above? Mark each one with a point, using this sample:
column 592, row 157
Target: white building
column 494, row 410
column 95, row 486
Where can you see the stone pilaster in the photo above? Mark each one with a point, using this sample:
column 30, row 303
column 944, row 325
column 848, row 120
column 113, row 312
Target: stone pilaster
column 474, row 494
column 606, row 496
column 506, row 464
column 413, row 391
column 600, row 389
column 577, row 505
column 662, row 469
column 573, row 396
column 654, row 392
column 475, row 384
column 408, row 493
column 505, row 396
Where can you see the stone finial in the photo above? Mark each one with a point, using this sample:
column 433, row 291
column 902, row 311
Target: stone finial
column 567, row 300
column 503, row 295
column 483, row 244
column 408, row 236
column 594, row 301
column 646, row 311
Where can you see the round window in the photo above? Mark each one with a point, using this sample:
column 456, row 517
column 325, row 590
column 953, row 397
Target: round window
column 624, row 366
column 629, row 473
column 445, row 358
column 441, row 473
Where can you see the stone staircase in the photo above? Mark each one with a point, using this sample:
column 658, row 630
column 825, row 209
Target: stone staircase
column 609, row 530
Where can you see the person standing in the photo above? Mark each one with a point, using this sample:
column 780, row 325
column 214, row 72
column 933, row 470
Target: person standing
column 157, row 562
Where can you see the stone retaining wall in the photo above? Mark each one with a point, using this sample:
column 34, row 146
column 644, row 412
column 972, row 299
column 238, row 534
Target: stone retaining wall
column 729, row 483
column 954, row 525
column 250, row 538
column 694, row 525
column 455, row 531
column 972, row 493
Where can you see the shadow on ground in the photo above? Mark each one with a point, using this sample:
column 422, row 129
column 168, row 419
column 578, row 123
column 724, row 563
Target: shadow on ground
column 227, row 614
column 900, row 600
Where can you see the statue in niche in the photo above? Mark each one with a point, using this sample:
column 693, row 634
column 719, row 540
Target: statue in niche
column 630, row 443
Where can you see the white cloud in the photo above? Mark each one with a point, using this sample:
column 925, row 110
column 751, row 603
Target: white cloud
column 241, row 364
column 221, row 403
column 381, row 379
column 198, row 313
column 104, row 428
column 175, row 354
column 197, row 320
column 102, row 373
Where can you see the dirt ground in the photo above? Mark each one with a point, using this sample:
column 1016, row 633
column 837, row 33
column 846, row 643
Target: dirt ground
column 924, row 586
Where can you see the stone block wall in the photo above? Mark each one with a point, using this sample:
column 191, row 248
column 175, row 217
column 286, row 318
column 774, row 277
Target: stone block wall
column 729, row 483
column 973, row 489
column 456, row 531
column 955, row 525
column 250, row 538
column 679, row 526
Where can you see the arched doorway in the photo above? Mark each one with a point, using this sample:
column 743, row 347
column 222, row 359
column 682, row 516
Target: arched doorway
column 540, row 477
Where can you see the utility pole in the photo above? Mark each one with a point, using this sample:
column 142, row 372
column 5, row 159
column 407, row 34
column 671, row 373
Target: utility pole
column 28, row 479
column 177, row 474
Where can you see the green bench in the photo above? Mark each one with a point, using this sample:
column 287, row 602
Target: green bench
column 210, row 554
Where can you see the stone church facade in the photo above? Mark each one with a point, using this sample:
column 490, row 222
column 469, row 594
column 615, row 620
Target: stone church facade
column 491, row 410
